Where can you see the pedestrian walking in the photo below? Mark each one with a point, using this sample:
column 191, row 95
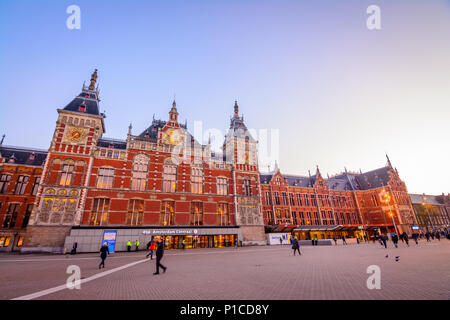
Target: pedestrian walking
column 415, row 236
column 296, row 246
column 183, row 244
column 136, row 243
column 151, row 248
column 432, row 236
column 104, row 251
column 281, row 240
column 427, row 235
column 335, row 241
column 129, row 246
column 384, row 239
column 343, row 240
column 159, row 255
column 74, row 248
column 357, row 240
column 438, row 236
column 406, row 238
column 395, row 239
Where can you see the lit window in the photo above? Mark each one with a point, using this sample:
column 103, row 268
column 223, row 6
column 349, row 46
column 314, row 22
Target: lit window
column 222, row 186
column 139, row 173
column 223, row 217
column 135, row 212
column 99, row 214
column 105, row 178
column 196, row 180
column 21, row 184
column 196, row 218
column 66, row 175
column 169, row 178
column 167, row 216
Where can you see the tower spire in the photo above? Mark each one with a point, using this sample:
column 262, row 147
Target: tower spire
column 236, row 109
column 388, row 161
column 93, row 80
column 173, row 112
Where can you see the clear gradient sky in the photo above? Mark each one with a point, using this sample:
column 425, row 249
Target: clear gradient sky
column 340, row 94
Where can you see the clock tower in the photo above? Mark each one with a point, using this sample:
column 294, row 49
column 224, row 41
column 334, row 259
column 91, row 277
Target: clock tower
column 65, row 177
column 240, row 149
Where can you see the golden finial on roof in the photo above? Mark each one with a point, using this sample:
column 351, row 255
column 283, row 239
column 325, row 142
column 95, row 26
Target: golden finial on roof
column 93, row 80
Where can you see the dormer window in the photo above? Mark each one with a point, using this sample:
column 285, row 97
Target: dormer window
column 32, row 156
column 82, row 108
column 147, row 135
column 111, row 146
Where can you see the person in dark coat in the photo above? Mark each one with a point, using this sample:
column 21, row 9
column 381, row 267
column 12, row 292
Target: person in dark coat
column 104, row 251
column 159, row 255
column 343, row 240
column 335, row 241
column 406, row 238
column 415, row 236
column 427, row 235
column 281, row 240
column 438, row 236
column 74, row 248
column 151, row 248
column 395, row 239
column 383, row 239
column 296, row 246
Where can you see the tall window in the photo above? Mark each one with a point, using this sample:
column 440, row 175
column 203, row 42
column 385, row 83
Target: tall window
column 135, row 213
column 37, row 180
column 26, row 218
column 139, row 173
column 270, row 217
column 278, row 215
column 4, row 182
column 302, row 218
column 223, row 218
column 324, row 217
column 99, row 214
column 308, row 218
column 294, row 217
column 313, row 200
column 169, row 178
column 167, row 216
column 11, row 215
column 285, row 199
column 330, row 216
column 247, row 187
column 277, row 198
column 321, row 200
column 21, row 184
column 105, row 178
column 196, row 180
column 299, row 199
column 66, row 175
column 342, row 218
column 316, row 218
column 268, row 198
column 196, row 214
column 222, row 186
column 305, row 196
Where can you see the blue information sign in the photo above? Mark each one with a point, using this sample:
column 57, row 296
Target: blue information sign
column 109, row 237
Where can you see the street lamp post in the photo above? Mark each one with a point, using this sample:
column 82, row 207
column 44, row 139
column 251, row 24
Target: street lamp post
column 428, row 213
column 387, row 199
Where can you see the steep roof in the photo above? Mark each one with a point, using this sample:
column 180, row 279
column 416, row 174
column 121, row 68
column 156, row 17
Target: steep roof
column 88, row 99
column 21, row 155
column 115, row 143
column 418, row 199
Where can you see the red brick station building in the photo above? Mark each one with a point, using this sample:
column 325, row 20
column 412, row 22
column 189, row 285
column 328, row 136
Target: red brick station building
column 164, row 182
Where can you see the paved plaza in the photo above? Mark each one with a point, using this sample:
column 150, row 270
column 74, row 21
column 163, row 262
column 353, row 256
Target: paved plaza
column 254, row 273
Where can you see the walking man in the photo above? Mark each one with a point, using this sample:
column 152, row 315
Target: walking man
column 151, row 247
column 415, row 236
column 159, row 255
column 383, row 239
column 427, row 235
column 281, row 240
column 296, row 246
column 136, row 243
column 395, row 239
column 406, row 238
column 335, row 241
column 104, row 251
column 343, row 240
column 129, row 246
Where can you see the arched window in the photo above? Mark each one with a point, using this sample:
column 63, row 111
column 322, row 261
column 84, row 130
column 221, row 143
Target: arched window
column 169, row 176
column 139, row 172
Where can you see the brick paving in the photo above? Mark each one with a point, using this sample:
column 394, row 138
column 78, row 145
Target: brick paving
column 254, row 273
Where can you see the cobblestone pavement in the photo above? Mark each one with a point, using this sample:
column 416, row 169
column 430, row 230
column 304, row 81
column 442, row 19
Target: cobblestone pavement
column 254, row 273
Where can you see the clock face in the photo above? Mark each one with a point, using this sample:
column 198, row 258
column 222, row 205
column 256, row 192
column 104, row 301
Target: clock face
column 172, row 137
column 75, row 135
column 245, row 157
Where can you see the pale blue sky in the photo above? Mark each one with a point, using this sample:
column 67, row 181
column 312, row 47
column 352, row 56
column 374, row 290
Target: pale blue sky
column 340, row 94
